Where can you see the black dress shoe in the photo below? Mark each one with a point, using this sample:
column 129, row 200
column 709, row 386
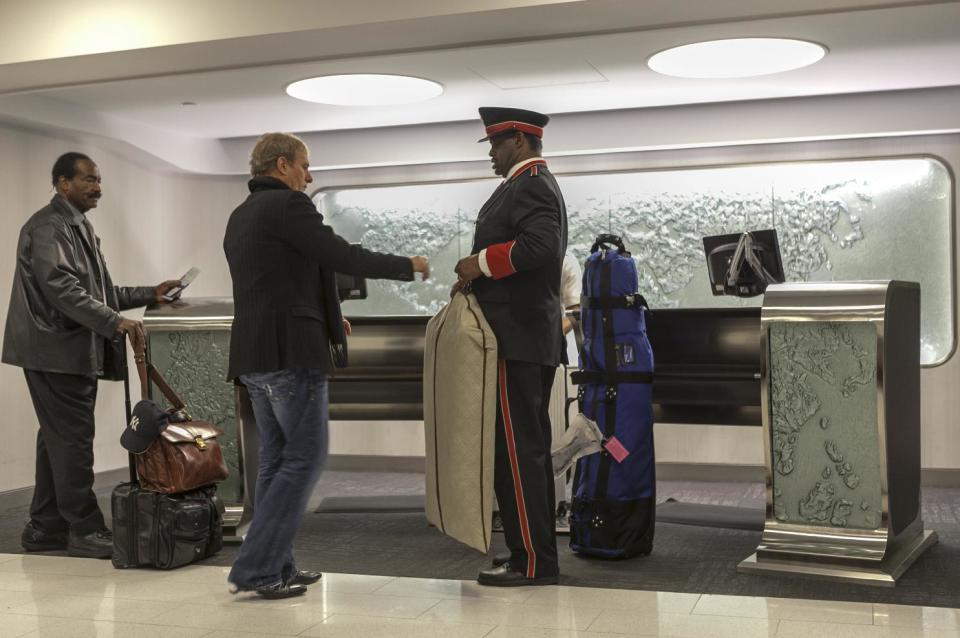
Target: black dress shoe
column 303, row 577
column 504, row 576
column 98, row 544
column 500, row 559
column 281, row 590
column 34, row 539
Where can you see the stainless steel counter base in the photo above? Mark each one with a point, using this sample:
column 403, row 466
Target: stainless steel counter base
column 189, row 342
column 237, row 518
column 884, row 575
column 234, row 524
column 840, row 400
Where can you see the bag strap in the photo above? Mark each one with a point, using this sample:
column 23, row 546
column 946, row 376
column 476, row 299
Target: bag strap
column 128, row 410
column 609, row 366
column 613, row 303
column 148, row 373
column 583, row 377
column 574, row 317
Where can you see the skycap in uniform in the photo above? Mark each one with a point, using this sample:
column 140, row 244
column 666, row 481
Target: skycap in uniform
column 514, row 271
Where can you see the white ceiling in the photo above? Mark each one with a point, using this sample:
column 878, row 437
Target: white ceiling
column 912, row 46
column 882, row 50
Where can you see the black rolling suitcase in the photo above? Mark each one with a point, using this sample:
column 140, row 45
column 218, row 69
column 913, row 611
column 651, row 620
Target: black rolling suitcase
column 165, row 531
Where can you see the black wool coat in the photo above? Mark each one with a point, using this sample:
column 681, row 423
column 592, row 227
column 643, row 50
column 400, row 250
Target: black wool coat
column 283, row 260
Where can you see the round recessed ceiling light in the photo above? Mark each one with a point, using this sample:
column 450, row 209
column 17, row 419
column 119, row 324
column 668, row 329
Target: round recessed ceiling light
column 364, row 89
column 736, row 58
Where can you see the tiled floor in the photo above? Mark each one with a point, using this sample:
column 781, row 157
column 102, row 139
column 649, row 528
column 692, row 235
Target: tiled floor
column 58, row 597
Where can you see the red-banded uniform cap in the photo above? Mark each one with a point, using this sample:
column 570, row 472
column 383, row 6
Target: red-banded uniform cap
column 499, row 120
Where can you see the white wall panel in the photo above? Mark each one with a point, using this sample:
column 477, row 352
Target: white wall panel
column 153, row 227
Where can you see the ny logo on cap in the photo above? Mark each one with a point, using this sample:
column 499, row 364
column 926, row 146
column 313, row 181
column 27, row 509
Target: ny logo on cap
column 134, row 423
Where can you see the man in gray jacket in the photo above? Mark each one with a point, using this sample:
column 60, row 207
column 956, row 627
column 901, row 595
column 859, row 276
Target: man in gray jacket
column 64, row 329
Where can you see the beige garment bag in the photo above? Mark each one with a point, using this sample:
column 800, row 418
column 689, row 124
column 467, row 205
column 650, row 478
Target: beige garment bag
column 459, row 410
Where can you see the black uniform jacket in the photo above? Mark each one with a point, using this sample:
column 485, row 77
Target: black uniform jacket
column 523, row 308
column 63, row 305
column 283, row 260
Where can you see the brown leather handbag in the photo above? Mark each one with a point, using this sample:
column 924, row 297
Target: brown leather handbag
column 186, row 455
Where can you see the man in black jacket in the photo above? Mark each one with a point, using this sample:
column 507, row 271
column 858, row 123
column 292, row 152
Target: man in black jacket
column 61, row 326
column 287, row 336
column 514, row 270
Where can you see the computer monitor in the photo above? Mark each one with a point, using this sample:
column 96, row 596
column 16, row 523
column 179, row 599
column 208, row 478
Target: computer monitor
column 351, row 287
column 743, row 264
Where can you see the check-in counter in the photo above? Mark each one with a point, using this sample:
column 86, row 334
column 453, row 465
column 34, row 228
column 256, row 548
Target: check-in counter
column 706, row 365
column 707, row 368
column 189, row 342
column 708, row 371
column 384, row 381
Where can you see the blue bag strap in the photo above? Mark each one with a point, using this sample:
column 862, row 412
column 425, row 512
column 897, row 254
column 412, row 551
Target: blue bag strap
column 613, row 303
column 610, row 365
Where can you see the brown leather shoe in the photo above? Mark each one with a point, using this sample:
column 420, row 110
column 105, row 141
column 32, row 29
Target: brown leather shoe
column 505, row 576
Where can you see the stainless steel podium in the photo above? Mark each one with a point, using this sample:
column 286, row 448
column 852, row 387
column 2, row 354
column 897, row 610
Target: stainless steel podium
column 840, row 400
column 189, row 342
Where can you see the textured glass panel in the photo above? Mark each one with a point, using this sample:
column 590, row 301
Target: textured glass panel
column 823, row 411
column 194, row 363
column 836, row 221
column 434, row 220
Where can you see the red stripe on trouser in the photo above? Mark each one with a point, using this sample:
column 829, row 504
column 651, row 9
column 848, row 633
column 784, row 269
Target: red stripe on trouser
column 515, row 469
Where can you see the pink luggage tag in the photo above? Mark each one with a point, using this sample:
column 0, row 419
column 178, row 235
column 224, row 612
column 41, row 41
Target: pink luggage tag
column 616, row 449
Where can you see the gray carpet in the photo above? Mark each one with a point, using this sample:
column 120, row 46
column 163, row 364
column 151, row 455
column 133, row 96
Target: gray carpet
column 686, row 558
column 391, row 504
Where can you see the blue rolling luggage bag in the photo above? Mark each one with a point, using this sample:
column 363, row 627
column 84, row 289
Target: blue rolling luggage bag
column 613, row 509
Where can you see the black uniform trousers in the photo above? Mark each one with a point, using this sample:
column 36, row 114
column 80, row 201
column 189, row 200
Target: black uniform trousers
column 63, row 497
column 523, row 471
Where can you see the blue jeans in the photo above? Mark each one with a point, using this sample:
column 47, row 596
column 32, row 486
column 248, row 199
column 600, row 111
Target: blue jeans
column 291, row 411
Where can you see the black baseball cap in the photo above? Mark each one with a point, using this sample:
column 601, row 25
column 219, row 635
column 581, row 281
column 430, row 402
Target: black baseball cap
column 146, row 424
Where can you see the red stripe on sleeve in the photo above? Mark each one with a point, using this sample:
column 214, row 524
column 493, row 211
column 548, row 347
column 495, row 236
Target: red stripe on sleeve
column 498, row 260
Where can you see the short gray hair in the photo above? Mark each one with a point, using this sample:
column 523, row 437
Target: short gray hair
column 271, row 147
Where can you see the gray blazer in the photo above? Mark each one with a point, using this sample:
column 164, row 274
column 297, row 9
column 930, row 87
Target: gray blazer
column 62, row 308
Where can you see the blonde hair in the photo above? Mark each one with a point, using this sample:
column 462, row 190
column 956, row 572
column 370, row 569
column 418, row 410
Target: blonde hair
column 271, row 147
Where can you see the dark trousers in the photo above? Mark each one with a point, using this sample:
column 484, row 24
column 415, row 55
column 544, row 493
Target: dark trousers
column 63, row 497
column 523, row 471
column 291, row 411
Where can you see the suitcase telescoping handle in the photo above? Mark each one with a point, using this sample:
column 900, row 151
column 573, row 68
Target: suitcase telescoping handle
column 147, row 373
column 607, row 241
column 125, row 373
